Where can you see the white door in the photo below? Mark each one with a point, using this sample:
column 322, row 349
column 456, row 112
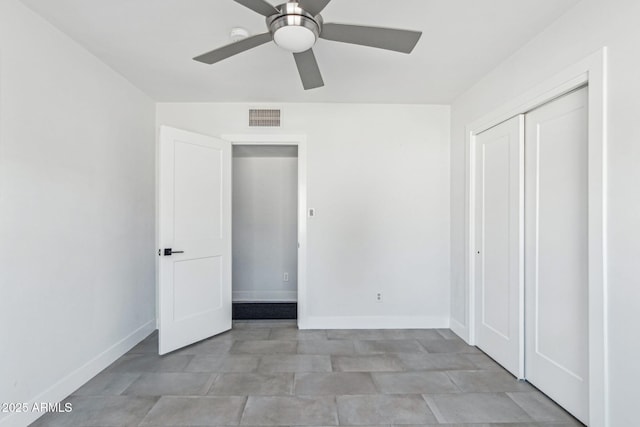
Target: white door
column 556, row 262
column 499, row 240
column 195, row 238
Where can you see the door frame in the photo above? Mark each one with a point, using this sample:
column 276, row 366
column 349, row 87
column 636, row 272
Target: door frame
column 301, row 142
column 591, row 71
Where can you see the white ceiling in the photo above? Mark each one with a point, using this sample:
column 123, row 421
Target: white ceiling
column 151, row 43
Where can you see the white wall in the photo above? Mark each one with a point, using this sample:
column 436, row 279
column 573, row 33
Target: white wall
column 76, row 212
column 265, row 223
column 378, row 177
column 586, row 28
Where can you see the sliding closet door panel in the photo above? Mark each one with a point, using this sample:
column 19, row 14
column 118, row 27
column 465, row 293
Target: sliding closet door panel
column 557, row 251
column 498, row 226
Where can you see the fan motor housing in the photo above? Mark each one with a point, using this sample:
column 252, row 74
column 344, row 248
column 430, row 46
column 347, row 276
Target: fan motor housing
column 293, row 28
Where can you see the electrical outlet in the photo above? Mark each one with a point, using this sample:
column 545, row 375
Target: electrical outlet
column 379, row 297
column 285, row 277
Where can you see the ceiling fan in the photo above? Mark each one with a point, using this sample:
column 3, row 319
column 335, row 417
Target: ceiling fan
column 296, row 26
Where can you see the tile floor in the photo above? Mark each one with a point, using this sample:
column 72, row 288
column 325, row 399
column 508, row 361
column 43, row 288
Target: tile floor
column 271, row 374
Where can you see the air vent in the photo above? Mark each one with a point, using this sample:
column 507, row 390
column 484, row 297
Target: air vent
column 264, row 118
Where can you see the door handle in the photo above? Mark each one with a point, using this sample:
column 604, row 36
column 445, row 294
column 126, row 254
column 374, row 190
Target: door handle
column 169, row 252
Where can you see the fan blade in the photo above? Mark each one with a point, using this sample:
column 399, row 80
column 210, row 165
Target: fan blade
column 229, row 50
column 260, row 6
column 308, row 69
column 314, row 7
column 384, row 38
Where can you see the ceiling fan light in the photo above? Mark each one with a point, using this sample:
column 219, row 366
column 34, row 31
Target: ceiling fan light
column 294, row 33
column 294, row 38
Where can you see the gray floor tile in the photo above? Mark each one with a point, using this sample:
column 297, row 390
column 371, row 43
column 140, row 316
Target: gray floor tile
column 448, row 334
column 357, row 334
column 170, row 383
column 448, row 346
column 223, row 363
column 413, row 382
column 138, row 363
column 106, row 384
column 455, row 425
column 299, row 411
column 460, row 425
column 388, row 346
column 532, row 424
column 381, row 410
column 435, row 362
column 261, row 324
column 476, row 408
column 330, row 347
column 148, row 345
column 208, row 347
column 482, row 361
column 100, row 411
column 412, row 334
column 574, row 423
column 539, row 407
column 297, row 335
column 375, row 363
column 487, row 381
column 196, row 411
column 245, row 334
column 264, row 347
column 252, row 384
column 295, row 363
column 334, row 383
column 271, row 360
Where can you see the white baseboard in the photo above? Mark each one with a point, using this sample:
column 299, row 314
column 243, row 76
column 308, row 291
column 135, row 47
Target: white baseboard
column 460, row 330
column 70, row 383
column 373, row 322
column 265, row 296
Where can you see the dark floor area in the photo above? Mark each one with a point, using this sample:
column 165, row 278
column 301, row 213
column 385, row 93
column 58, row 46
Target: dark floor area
column 265, row 311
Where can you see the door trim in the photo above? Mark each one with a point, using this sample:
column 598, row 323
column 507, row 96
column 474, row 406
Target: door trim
column 301, row 142
column 591, row 71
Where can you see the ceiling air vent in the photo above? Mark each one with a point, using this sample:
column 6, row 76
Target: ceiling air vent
column 264, row 118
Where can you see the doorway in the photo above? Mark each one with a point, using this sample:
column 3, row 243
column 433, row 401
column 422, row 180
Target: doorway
column 194, row 286
column 265, row 232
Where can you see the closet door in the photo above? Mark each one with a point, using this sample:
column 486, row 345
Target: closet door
column 556, row 260
column 499, row 230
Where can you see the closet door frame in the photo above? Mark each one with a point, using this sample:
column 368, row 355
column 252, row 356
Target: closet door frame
column 592, row 72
